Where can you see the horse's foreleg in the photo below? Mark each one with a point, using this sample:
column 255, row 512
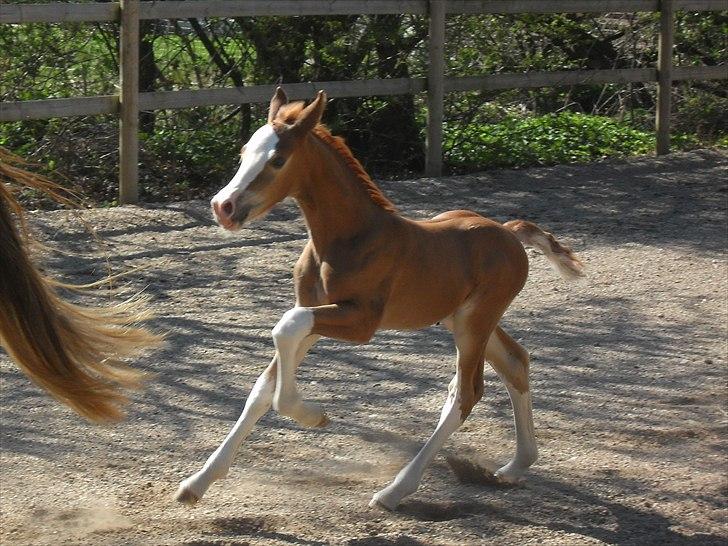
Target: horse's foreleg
column 510, row 361
column 258, row 403
column 347, row 322
column 295, row 325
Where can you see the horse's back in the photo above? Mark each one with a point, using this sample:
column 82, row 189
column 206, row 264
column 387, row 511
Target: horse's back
column 494, row 250
column 480, row 231
column 466, row 220
column 452, row 215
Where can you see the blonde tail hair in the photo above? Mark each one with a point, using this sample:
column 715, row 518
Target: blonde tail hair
column 561, row 256
column 73, row 352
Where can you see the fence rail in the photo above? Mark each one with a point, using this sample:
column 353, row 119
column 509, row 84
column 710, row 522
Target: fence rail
column 110, row 11
column 130, row 101
column 190, row 98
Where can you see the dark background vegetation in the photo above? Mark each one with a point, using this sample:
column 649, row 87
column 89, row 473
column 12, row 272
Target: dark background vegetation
column 190, row 153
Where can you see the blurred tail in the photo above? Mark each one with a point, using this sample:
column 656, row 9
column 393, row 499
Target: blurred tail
column 75, row 353
column 561, row 257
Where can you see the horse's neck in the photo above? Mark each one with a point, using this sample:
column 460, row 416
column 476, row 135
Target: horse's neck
column 335, row 203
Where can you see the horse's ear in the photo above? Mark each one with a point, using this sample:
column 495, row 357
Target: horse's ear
column 310, row 115
column 279, row 99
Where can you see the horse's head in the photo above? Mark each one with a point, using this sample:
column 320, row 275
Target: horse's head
column 267, row 172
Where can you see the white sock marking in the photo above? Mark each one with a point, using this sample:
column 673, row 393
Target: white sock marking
column 258, row 403
column 526, row 450
column 293, row 327
column 408, row 479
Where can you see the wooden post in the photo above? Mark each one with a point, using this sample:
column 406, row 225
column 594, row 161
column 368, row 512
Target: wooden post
column 664, row 75
column 435, row 87
column 129, row 103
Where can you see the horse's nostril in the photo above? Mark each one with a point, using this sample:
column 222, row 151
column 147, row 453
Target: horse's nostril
column 227, row 208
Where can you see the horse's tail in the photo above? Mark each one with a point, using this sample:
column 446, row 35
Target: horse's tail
column 73, row 352
column 561, row 256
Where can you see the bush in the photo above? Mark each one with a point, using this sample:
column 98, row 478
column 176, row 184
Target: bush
column 191, row 160
column 518, row 140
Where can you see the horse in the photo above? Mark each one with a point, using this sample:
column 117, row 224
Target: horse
column 366, row 268
column 75, row 353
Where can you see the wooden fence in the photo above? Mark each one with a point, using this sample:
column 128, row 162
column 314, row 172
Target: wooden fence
column 128, row 103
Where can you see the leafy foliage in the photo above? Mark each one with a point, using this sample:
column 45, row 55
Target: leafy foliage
column 189, row 153
column 566, row 137
column 192, row 162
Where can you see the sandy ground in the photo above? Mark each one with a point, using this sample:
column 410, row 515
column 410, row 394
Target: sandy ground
column 629, row 378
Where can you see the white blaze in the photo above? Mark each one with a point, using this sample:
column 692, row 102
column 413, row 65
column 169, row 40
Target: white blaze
column 258, row 151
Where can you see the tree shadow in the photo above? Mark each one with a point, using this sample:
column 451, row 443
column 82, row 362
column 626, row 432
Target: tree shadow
column 675, row 200
column 559, row 506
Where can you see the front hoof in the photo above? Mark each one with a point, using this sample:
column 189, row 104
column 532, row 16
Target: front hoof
column 185, row 495
column 390, row 497
column 324, row 422
column 310, row 416
column 190, row 491
column 314, row 421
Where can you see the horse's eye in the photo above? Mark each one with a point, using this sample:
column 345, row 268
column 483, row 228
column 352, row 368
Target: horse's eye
column 278, row 161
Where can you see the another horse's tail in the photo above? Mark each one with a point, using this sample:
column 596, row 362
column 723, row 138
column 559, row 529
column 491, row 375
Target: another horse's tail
column 73, row 352
column 561, row 256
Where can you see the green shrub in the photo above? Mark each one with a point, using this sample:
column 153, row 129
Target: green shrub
column 187, row 162
column 520, row 140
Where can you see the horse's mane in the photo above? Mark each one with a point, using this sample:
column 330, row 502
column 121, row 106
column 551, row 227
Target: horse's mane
column 289, row 114
column 339, row 145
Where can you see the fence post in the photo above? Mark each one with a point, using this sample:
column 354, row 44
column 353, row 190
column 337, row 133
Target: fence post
column 129, row 102
column 435, row 87
column 664, row 75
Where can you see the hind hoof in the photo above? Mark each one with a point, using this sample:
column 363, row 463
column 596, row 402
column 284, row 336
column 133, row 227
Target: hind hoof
column 379, row 505
column 510, row 475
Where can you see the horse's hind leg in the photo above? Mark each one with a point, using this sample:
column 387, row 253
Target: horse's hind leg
column 464, row 392
column 258, row 403
column 510, row 361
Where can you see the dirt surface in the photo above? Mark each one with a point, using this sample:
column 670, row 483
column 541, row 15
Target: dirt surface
column 629, row 379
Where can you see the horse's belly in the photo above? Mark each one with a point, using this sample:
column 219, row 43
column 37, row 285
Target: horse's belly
column 412, row 310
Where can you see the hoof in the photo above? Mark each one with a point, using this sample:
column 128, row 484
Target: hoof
column 313, row 421
column 312, row 416
column 186, row 496
column 306, row 414
column 509, row 476
column 388, row 498
column 378, row 504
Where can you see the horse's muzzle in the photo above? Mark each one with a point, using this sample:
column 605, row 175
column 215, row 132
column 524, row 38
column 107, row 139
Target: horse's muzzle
column 231, row 214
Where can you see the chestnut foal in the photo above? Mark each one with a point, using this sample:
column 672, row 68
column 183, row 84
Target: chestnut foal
column 366, row 268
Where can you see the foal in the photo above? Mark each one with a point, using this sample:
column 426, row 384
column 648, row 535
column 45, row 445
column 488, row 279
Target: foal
column 366, row 268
